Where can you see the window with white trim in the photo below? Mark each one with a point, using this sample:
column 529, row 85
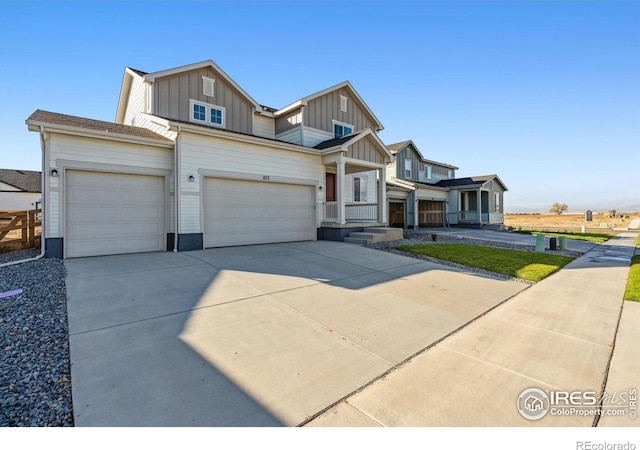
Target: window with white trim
column 343, row 103
column 496, row 196
column 407, row 168
column 450, row 173
column 427, row 172
column 360, row 189
column 207, row 113
column 208, row 86
column 341, row 129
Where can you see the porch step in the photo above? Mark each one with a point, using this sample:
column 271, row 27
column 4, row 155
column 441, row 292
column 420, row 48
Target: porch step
column 355, row 240
column 374, row 234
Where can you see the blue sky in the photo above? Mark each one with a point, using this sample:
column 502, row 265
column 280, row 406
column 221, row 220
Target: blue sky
column 545, row 94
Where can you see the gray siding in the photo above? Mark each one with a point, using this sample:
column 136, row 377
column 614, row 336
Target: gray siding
column 288, row 121
column 171, row 96
column 364, row 150
column 320, row 111
column 408, row 153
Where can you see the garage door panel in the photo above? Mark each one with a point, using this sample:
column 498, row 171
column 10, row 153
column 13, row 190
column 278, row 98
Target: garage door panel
column 238, row 212
column 109, row 213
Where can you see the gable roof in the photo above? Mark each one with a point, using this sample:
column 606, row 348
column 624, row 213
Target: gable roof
column 395, row 148
column 40, row 117
column 343, row 142
column 345, row 84
column 208, row 63
column 125, row 89
column 25, row 180
column 470, row 181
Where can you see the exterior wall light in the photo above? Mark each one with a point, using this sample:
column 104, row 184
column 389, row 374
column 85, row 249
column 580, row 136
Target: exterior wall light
column 192, row 178
column 54, row 173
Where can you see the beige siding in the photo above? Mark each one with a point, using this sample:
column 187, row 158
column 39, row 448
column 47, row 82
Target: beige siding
column 293, row 136
column 264, row 126
column 171, row 97
column 135, row 102
column 18, row 200
column 312, row 136
column 209, row 153
column 288, row 121
column 371, row 178
column 320, row 112
column 366, row 151
column 98, row 152
column 391, row 169
column 7, row 187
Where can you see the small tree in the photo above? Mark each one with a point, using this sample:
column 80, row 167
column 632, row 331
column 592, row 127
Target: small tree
column 558, row 208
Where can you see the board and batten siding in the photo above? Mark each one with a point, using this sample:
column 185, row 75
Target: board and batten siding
column 289, row 120
column 320, row 112
column 98, row 152
column 264, row 126
column 365, row 151
column 171, row 95
column 135, row 102
column 408, row 153
column 210, row 153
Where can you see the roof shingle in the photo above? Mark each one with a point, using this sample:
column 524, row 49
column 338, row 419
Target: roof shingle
column 25, row 180
column 90, row 124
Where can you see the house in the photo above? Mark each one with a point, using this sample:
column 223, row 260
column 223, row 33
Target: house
column 192, row 161
column 426, row 193
column 20, row 189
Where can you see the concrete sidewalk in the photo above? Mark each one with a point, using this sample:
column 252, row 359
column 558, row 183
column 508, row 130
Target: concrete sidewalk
column 504, row 236
column 556, row 335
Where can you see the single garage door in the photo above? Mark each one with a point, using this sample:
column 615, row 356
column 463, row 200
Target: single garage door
column 113, row 213
column 430, row 213
column 239, row 212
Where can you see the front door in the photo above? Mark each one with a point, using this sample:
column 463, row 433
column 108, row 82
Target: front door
column 396, row 214
column 330, row 183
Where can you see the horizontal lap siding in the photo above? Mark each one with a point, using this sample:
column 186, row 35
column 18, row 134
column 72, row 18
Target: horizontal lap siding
column 96, row 151
column 135, row 103
column 199, row 152
column 293, row 136
column 313, row 137
column 264, row 126
column 171, row 96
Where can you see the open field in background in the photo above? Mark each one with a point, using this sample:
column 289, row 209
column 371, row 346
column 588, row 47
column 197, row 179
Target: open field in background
column 570, row 222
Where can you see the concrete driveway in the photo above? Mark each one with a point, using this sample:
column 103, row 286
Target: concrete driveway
column 253, row 336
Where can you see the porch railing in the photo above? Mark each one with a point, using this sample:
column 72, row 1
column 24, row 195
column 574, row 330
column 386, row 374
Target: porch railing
column 354, row 212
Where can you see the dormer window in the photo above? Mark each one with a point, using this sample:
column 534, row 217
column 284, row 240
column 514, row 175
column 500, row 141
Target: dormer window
column 208, row 86
column 407, row 168
column 341, row 129
column 343, row 103
column 207, row 113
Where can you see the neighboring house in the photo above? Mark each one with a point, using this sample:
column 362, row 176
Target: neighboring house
column 193, row 161
column 20, row 189
column 426, row 193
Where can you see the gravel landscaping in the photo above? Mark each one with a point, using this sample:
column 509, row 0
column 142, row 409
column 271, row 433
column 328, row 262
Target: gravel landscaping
column 416, row 238
column 35, row 379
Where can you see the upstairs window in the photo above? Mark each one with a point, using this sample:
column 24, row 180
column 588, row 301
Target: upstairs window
column 496, row 196
column 407, row 168
column 208, row 86
column 199, row 112
column 427, row 172
column 207, row 113
column 216, row 116
column 343, row 103
column 450, row 173
column 341, row 129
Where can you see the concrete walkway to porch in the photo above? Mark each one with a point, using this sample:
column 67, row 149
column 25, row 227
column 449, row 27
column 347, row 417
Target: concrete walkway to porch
column 556, row 335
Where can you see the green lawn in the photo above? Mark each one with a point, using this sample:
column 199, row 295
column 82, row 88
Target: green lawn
column 526, row 265
column 591, row 237
column 633, row 283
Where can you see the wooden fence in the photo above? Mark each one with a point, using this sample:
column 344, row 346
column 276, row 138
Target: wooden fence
column 18, row 229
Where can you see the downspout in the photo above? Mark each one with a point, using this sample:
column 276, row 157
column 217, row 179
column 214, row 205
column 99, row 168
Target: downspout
column 176, row 190
column 44, row 204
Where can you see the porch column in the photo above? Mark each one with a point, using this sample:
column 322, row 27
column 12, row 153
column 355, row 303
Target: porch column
column 340, row 192
column 382, row 196
column 479, row 205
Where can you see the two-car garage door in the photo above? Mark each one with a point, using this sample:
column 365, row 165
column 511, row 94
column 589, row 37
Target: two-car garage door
column 112, row 213
column 241, row 212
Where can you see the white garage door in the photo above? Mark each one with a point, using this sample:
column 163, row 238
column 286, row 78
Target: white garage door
column 112, row 213
column 238, row 212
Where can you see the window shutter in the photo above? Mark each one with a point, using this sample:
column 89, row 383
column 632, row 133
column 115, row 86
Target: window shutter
column 208, row 86
column 343, row 103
